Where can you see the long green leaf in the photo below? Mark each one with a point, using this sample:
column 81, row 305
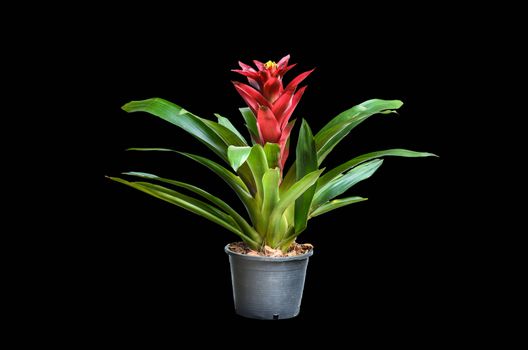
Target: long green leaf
column 341, row 184
column 228, row 136
column 232, row 180
column 193, row 205
column 289, row 178
column 287, row 199
column 306, row 162
column 251, row 122
column 193, row 201
column 247, row 178
column 151, row 149
column 242, row 223
column 270, row 186
column 368, row 106
column 340, row 126
column 336, row 203
column 258, row 164
column 244, row 172
column 399, row 152
column 237, row 155
column 180, row 117
column 227, row 123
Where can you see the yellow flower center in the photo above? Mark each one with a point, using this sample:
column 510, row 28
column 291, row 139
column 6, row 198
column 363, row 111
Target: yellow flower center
column 270, row 64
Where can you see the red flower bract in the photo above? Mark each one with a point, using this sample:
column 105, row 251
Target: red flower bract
column 271, row 102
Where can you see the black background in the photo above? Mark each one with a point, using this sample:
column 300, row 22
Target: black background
column 382, row 263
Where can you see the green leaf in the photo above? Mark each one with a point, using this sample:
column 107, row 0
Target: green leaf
column 306, row 162
column 151, row 149
column 232, row 180
column 242, row 223
column 244, row 171
column 340, row 184
column 270, row 186
column 229, row 137
column 289, row 178
column 339, row 127
column 287, row 199
column 323, row 180
column 237, row 155
column 227, row 123
column 272, row 151
column 258, row 164
column 247, row 177
column 336, row 203
column 178, row 116
column 251, row 122
column 191, row 204
column 378, row 105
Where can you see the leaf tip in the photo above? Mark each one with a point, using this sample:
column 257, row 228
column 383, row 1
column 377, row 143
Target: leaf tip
column 117, row 179
column 128, row 107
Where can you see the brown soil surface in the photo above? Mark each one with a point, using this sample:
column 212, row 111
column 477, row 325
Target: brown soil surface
column 295, row 249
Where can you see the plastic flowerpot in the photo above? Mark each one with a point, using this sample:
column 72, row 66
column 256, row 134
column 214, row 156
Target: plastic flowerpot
column 267, row 288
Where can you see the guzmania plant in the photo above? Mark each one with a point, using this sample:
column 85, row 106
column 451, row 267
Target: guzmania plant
column 279, row 201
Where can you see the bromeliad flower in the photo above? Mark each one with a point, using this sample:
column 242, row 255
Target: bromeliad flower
column 271, row 103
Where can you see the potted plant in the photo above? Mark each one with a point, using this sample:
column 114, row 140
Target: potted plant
column 268, row 267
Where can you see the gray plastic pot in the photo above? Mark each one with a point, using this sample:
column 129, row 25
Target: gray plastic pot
column 267, row 288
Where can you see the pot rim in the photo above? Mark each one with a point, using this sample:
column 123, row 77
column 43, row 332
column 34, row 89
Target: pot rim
column 268, row 258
